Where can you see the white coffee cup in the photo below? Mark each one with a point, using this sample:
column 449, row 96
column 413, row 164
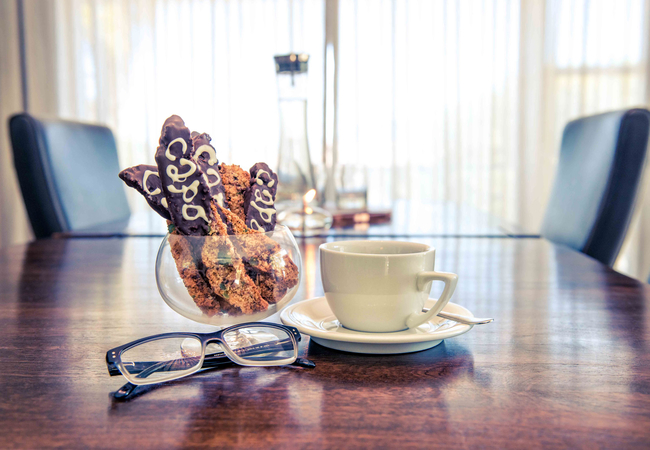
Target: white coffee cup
column 381, row 286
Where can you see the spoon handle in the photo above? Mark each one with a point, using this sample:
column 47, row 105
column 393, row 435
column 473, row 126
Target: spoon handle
column 463, row 319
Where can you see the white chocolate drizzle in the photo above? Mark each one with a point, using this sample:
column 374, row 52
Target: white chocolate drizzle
column 193, row 188
column 147, row 174
column 219, row 198
column 259, row 194
column 168, row 153
column 200, row 212
column 214, row 173
column 263, row 197
column 176, row 177
column 172, row 171
column 258, row 178
column 265, row 213
column 212, row 155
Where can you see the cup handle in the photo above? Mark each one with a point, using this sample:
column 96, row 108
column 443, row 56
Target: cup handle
column 450, row 280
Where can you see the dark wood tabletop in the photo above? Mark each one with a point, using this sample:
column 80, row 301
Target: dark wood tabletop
column 408, row 219
column 565, row 364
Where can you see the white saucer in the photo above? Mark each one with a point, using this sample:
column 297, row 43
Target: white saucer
column 314, row 317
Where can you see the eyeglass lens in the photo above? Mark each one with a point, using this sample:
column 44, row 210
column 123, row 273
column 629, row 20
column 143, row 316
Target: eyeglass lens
column 261, row 345
column 162, row 359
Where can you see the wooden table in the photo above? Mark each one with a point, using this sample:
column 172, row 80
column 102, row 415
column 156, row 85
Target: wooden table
column 409, row 219
column 565, row 364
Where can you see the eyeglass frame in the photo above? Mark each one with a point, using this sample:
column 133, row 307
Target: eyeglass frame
column 116, row 366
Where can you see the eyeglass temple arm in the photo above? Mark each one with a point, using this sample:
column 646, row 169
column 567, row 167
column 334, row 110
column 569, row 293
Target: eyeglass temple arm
column 211, row 360
column 130, row 390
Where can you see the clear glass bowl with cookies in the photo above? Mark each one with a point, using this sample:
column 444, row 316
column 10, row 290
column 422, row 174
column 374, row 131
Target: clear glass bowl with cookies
column 225, row 260
column 222, row 280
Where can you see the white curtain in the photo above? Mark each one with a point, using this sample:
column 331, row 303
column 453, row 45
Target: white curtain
column 466, row 101
column 428, row 98
column 451, row 100
column 131, row 64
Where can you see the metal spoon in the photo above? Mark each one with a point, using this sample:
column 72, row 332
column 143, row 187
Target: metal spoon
column 462, row 319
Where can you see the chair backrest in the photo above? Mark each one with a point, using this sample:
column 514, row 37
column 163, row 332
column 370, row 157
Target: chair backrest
column 600, row 167
column 67, row 173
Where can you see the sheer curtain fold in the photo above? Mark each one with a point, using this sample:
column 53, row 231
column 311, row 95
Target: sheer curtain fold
column 14, row 225
column 428, row 91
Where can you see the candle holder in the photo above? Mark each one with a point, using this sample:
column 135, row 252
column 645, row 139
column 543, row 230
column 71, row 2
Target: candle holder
column 306, row 220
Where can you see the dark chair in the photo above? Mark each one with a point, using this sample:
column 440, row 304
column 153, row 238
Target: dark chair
column 67, row 173
column 600, row 167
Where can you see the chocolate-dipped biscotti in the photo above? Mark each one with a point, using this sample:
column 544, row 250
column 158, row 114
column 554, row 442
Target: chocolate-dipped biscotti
column 145, row 180
column 237, row 269
column 259, row 199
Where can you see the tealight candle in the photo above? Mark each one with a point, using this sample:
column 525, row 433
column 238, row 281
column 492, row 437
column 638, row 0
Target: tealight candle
column 306, row 209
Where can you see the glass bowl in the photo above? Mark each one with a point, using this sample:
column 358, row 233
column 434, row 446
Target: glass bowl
column 224, row 280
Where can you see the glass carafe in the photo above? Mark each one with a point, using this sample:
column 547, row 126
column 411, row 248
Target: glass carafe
column 295, row 170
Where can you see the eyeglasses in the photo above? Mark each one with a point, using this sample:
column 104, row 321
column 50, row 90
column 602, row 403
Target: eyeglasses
column 169, row 356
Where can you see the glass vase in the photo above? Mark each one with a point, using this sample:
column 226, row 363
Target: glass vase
column 294, row 169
